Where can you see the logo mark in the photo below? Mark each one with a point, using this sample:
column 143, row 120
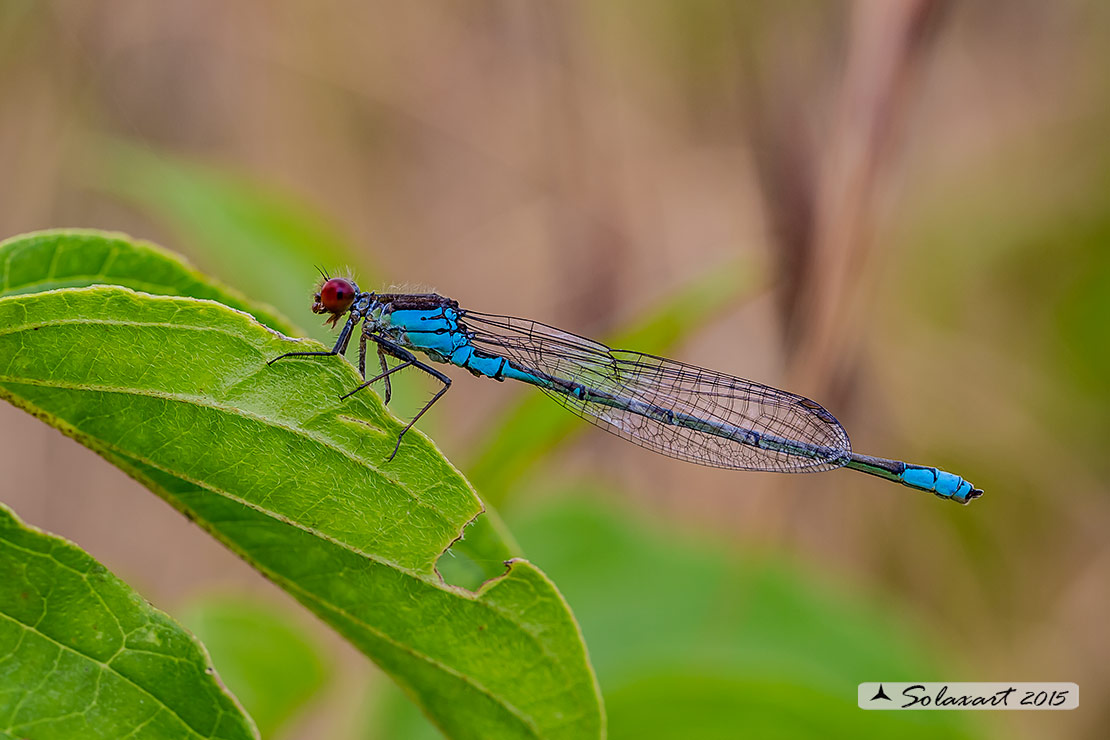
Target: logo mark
column 880, row 694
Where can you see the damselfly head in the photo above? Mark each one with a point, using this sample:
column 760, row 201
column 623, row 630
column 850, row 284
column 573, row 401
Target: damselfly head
column 334, row 296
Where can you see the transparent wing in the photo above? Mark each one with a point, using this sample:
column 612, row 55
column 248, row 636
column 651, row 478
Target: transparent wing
column 709, row 412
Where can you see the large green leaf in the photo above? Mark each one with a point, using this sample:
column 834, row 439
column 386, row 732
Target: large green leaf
column 84, row 656
column 177, row 392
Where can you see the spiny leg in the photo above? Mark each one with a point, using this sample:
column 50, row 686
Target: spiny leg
column 387, row 347
column 385, row 367
column 339, row 348
column 439, row 394
column 376, row 378
column 385, row 374
column 362, row 355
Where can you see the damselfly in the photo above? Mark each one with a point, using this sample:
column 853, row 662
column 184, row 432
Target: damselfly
column 679, row 410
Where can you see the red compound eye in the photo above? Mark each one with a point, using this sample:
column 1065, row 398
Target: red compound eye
column 336, row 296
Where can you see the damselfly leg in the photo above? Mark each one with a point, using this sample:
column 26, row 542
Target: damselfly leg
column 339, row 348
column 381, row 376
column 385, row 368
column 386, row 347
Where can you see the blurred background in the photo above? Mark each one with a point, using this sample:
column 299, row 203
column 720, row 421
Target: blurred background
column 899, row 209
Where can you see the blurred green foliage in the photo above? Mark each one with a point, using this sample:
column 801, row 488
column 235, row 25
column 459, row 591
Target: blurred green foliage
column 270, row 662
column 265, row 241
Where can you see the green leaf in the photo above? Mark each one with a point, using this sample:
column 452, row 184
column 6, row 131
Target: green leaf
column 84, row 656
column 269, row 661
column 177, row 392
column 530, row 429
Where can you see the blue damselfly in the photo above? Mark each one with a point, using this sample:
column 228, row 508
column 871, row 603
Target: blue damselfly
column 679, row 410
